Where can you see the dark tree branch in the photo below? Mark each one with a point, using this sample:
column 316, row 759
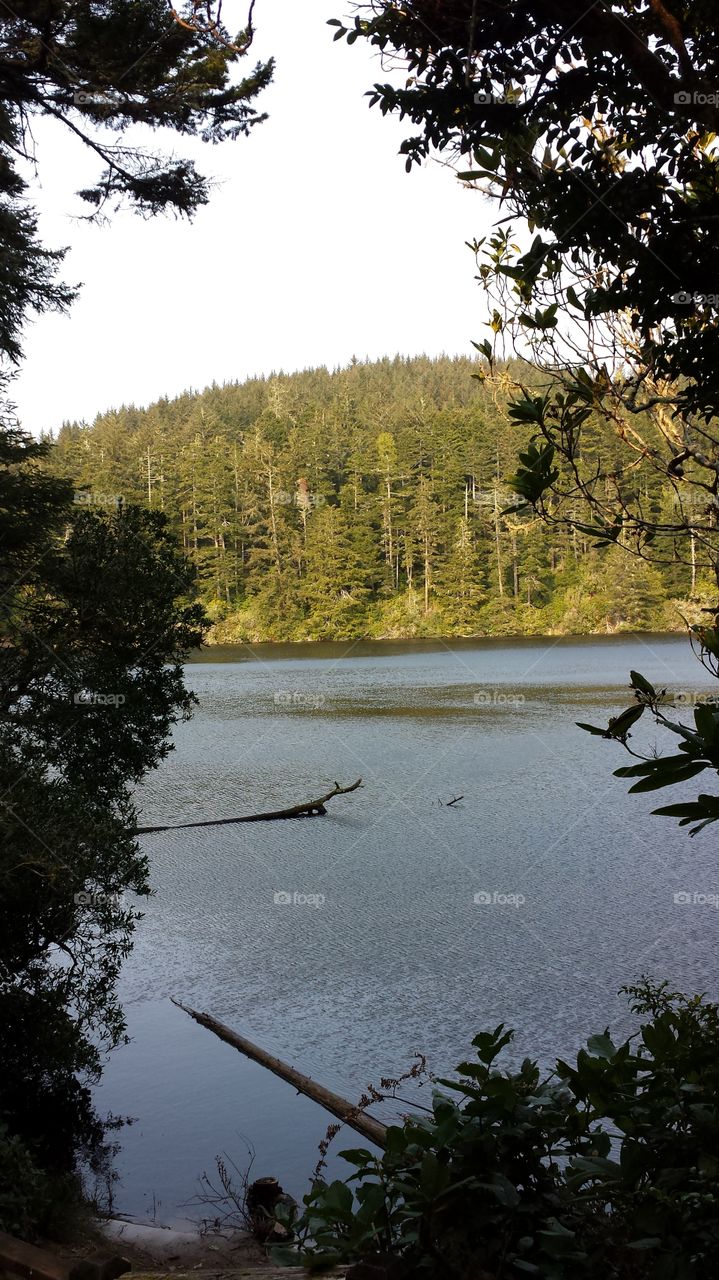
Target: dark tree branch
column 308, row 809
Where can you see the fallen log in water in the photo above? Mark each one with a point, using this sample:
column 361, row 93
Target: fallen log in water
column 348, row 1112
column 306, row 810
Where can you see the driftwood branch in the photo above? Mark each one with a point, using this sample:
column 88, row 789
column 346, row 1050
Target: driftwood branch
column 306, row 810
column 348, row 1112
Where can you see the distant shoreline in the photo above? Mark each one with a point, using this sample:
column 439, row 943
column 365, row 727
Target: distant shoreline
column 428, row 644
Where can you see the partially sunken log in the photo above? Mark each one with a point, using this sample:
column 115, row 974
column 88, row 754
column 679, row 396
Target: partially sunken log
column 306, row 810
column 348, row 1112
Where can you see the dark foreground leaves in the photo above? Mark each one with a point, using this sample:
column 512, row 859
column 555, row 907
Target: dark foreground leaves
column 607, row 1167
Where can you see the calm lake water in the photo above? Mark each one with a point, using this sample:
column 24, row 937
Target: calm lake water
column 382, row 950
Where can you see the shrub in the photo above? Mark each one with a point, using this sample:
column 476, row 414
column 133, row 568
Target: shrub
column 605, row 1168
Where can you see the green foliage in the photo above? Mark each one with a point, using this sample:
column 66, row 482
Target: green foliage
column 698, row 746
column 35, row 1202
column 100, row 68
column 536, row 472
column 600, row 132
column 94, row 628
column 605, row 1168
column 373, row 500
column 96, row 616
column 24, row 1191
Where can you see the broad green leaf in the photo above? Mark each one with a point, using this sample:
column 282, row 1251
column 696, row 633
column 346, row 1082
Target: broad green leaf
column 639, row 682
column 666, row 778
column 592, row 728
column 601, row 1046
column 619, row 725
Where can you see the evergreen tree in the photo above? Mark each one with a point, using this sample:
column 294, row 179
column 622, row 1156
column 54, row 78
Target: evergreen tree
column 424, row 520
column 461, row 585
column 414, row 459
column 98, row 68
column 335, row 587
column 92, row 640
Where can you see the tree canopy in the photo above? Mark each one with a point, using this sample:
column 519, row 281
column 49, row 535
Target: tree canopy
column 595, row 123
column 93, row 631
column 99, row 69
column 96, row 615
column 594, row 127
column 375, row 500
column 603, row 1167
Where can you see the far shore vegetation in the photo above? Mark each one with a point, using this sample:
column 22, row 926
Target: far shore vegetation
column 375, row 501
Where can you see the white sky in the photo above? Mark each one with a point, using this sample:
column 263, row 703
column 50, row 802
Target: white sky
column 316, row 245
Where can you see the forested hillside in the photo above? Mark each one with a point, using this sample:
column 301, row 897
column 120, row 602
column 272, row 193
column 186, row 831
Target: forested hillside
column 368, row 501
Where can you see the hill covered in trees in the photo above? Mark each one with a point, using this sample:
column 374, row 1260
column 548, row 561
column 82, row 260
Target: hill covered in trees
column 367, row 501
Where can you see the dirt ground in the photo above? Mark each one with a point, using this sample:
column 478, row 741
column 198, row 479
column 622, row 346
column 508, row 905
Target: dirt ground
column 162, row 1250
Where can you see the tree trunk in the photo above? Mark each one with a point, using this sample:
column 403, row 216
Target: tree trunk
column 348, row 1112
column 273, row 523
column 497, row 543
column 515, row 567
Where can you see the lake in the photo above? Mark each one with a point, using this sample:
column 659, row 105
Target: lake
column 398, row 923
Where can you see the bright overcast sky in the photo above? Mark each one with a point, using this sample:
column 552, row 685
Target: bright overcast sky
column 316, row 245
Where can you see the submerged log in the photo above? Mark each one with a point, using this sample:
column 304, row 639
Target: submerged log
column 348, row 1112
column 306, row 810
